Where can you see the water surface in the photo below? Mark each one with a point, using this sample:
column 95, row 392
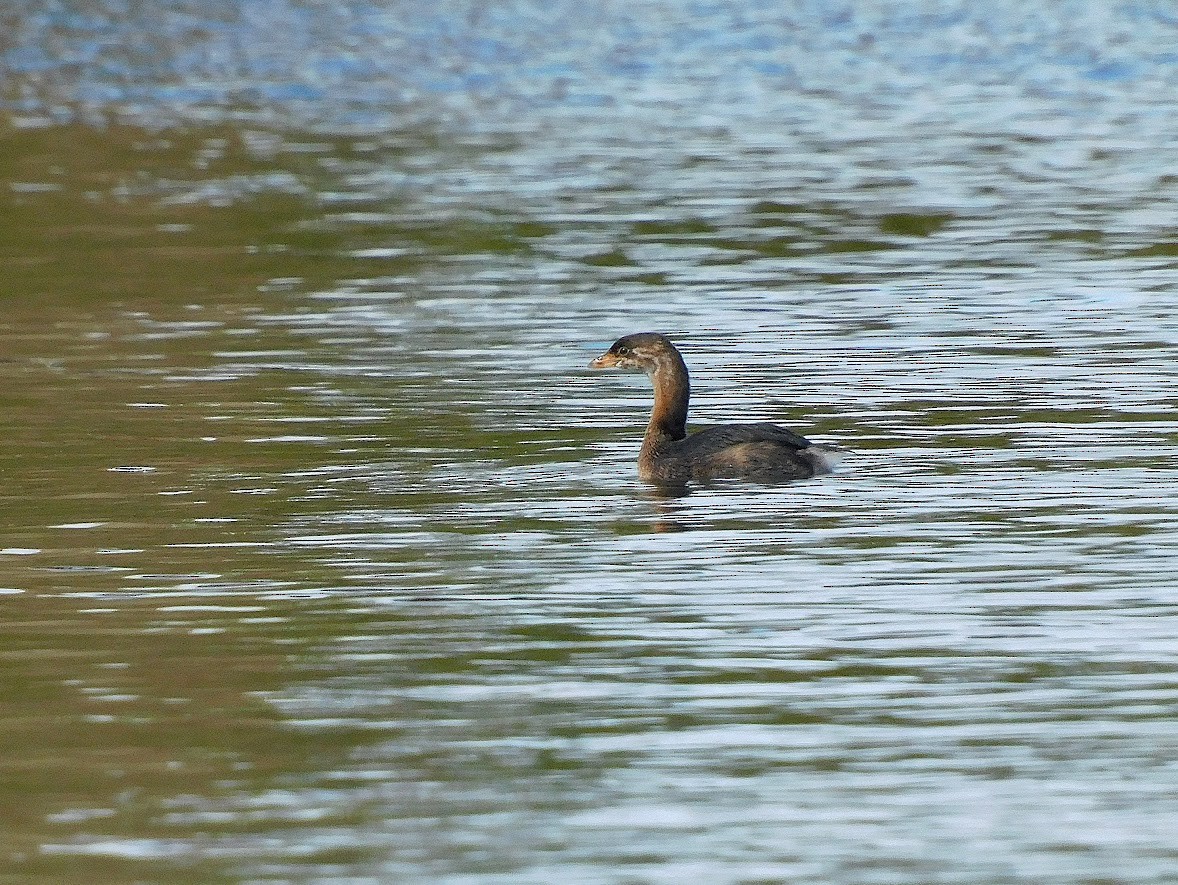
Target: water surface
column 322, row 553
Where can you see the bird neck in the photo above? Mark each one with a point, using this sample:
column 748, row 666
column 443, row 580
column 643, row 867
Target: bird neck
column 672, row 390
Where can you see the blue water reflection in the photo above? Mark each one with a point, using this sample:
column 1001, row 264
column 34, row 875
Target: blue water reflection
column 374, row 64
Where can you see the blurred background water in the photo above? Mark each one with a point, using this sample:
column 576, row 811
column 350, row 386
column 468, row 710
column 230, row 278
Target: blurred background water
column 322, row 554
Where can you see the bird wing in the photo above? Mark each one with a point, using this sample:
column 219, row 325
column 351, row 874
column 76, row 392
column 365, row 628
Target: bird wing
column 722, row 436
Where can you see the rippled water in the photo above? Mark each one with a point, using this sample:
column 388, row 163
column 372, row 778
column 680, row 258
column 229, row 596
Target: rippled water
column 322, row 552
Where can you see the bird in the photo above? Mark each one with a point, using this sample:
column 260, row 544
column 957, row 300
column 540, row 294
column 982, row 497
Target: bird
column 762, row 452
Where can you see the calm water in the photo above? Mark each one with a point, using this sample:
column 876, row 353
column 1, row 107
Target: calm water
column 322, row 553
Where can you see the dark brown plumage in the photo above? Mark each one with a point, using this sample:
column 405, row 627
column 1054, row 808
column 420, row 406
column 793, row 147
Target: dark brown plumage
column 762, row 452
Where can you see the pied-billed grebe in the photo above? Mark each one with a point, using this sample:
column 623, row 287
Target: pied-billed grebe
column 761, row 452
